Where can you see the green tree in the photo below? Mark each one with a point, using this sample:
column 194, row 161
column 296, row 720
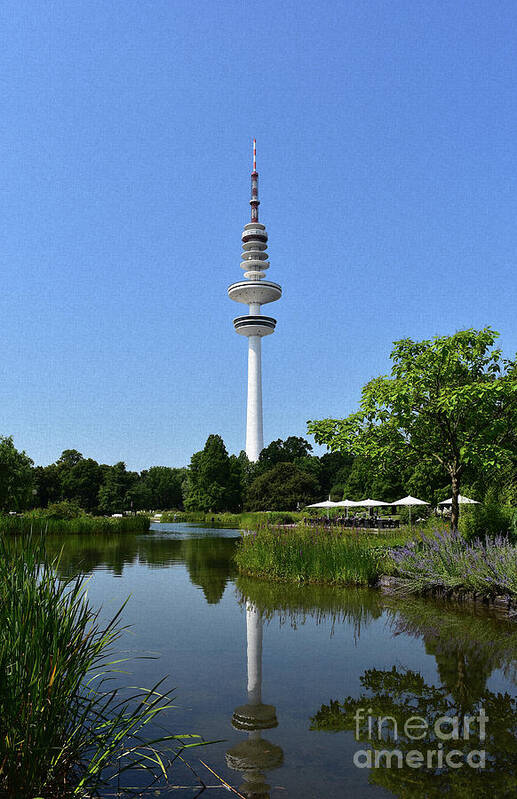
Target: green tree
column 214, row 480
column 161, row 485
column 16, row 476
column 284, row 487
column 47, row 484
column 334, row 470
column 450, row 400
column 279, row 451
column 114, row 493
column 365, row 480
column 81, row 483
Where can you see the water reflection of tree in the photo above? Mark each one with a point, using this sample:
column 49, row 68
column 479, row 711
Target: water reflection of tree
column 467, row 643
column 208, row 560
column 467, row 649
column 210, row 564
column 80, row 554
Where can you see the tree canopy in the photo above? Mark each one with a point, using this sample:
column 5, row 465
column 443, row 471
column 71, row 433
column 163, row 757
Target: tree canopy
column 16, row 477
column 451, row 400
column 284, row 487
column 214, row 479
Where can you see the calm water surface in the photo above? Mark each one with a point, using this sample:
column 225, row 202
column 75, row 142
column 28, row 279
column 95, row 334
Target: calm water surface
column 278, row 672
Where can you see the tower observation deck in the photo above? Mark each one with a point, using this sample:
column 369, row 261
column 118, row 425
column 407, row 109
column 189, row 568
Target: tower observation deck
column 254, row 292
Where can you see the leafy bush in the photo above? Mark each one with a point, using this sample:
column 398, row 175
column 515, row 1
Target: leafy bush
column 63, row 510
column 488, row 519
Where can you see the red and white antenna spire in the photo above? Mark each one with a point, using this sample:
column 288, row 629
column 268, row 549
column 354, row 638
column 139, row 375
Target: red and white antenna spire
column 254, row 202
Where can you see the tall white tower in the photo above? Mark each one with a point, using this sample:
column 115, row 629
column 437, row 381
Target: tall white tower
column 254, row 292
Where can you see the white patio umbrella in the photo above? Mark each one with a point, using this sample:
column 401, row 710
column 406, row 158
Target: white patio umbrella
column 409, row 501
column 347, row 503
column 371, row 503
column 326, row 504
column 461, row 500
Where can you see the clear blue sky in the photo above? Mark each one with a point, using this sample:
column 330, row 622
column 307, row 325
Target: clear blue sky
column 387, row 151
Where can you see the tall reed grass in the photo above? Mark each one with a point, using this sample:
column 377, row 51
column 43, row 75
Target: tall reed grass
column 83, row 525
column 315, row 555
column 65, row 730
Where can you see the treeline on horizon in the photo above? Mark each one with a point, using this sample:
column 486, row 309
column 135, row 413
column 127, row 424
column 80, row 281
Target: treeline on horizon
column 286, row 477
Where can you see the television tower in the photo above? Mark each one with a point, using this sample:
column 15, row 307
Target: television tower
column 254, row 291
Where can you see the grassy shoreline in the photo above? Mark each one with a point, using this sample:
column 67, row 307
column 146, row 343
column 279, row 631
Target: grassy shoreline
column 423, row 562
column 82, row 525
column 238, row 520
column 316, row 555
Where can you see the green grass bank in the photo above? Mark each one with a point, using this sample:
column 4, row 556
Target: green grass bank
column 82, row 525
column 318, row 555
column 424, row 561
column 237, row 520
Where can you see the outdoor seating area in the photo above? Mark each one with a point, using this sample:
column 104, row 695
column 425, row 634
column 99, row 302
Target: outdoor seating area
column 366, row 520
column 355, row 521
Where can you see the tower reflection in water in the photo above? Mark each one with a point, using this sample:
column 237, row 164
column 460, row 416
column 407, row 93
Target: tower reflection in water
column 255, row 755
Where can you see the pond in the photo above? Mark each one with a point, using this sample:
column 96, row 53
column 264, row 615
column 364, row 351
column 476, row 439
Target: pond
column 281, row 676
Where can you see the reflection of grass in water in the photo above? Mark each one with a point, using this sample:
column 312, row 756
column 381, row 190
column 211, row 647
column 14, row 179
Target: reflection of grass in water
column 294, row 604
column 444, row 626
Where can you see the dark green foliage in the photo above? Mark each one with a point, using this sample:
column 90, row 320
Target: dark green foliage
column 291, row 450
column 490, row 518
column 16, row 477
column 159, row 487
column 80, row 479
column 63, row 510
column 108, row 489
column 214, row 479
column 47, row 483
column 334, row 470
column 284, row 487
column 114, row 493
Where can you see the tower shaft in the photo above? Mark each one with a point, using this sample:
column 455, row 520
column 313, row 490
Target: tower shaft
column 254, row 431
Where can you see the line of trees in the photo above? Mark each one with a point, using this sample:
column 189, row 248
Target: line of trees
column 445, row 418
column 287, row 476
column 93, row 487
